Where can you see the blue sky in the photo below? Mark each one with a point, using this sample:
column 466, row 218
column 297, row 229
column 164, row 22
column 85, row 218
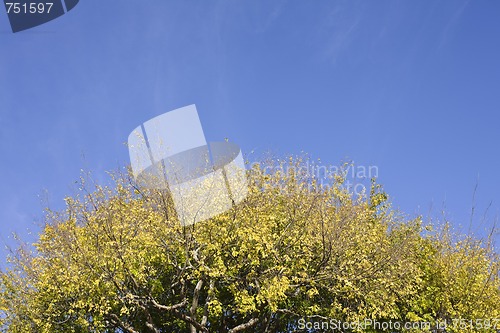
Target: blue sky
column 412, row 87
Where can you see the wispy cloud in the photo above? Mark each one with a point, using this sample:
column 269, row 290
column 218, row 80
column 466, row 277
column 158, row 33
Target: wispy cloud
column 339, row 27
column 453, row 23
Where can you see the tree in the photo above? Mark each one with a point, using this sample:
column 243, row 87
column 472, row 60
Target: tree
column 293, row 252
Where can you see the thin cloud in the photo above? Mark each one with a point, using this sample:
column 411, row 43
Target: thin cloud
column 452, row 23
column 340, row 27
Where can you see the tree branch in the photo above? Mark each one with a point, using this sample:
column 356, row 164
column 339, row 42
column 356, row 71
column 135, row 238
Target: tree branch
column 117, row 321
column 244, row 326
column 190, row 320
column 194, row 305
column 168, row 308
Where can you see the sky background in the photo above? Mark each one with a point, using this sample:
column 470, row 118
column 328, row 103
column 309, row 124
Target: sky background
column 412, row 87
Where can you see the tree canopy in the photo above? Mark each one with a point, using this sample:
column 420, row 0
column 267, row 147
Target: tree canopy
column 293, row 252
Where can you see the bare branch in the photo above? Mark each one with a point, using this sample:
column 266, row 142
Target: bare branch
column 194, row 305
column 204, row 320
column 168, row 308
column 190, row 320
column 117, row 321
column 244, row 326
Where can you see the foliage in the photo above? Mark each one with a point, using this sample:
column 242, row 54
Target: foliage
column 117, row 260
